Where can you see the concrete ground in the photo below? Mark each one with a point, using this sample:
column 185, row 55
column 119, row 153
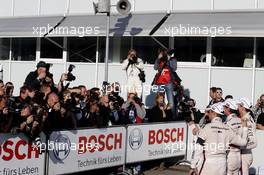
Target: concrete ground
column 173, row 170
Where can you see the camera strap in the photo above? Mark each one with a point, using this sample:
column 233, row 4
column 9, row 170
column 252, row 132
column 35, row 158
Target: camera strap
column 135, row 66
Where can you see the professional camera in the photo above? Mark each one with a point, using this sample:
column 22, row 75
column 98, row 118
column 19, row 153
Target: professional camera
column 137, row 100
column 94, row 94
column 184, row 111
column 70, row 76
column 14, row 106
column 14, row 111
column 133, row 59
column 142, row 76
column 114, row 102
column 184, row 107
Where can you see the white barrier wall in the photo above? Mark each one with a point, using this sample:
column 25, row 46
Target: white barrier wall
column 19, row 72
column 259, row 88
column 5, row 70
column 236, row 82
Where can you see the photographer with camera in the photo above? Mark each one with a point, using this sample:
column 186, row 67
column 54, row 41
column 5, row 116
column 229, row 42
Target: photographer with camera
column 190, row 113
column 55, row 114
column 5, row 118
column 134, row 110
column 104, row 111
column 166, row 66
column 134, row 67
column 9, row 89
column 116, row 102
column 27, row 125
column 258, row 111
column 15, row 104
column 258, row 108
column 66, row 77
column 36, row 78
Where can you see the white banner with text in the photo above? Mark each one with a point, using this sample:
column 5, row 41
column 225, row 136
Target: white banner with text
column 87, row 149
column 156, row 141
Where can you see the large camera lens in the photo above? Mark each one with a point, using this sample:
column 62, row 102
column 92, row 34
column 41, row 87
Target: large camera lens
column 70, row 77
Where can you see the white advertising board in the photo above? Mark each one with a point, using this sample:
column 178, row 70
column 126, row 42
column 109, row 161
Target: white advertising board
column 156, row 141
column 88, row 149
column 18, row 156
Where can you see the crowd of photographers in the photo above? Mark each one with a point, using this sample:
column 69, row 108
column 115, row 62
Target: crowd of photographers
column 43, row 106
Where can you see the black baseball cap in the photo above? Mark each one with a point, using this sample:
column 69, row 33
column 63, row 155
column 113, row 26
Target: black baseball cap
column 42, row 64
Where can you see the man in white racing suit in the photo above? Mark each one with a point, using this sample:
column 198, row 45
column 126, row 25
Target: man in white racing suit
column 244, row 106
column 133, row 65
column 234, row 123
column 209, row 155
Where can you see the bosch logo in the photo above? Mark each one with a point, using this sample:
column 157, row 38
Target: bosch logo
column 62, row 147
column 135, row 139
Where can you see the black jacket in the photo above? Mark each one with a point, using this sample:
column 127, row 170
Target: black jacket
column 102, row 119
column 32, row 80
column 156, row 115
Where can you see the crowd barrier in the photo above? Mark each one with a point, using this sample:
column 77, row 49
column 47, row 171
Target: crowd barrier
column 95, row 148
column 89, row 149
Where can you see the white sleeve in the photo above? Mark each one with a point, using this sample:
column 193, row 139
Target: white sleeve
column 252, row 138
column 124, row 64
column 140, row 64
column 238, row 140
column 197, row 155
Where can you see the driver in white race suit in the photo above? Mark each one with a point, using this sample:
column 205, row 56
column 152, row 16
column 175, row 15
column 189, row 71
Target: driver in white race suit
column 210, row 152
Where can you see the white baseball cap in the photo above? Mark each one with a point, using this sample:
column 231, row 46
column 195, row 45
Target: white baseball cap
column 245, row 102
column 217, row 108
column 230, row 103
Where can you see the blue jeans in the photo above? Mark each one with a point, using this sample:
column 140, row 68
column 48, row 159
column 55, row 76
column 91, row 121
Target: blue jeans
column 170, row 97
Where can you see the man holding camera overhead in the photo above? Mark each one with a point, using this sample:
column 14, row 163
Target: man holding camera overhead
column 36, row 78
column 135, row 75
